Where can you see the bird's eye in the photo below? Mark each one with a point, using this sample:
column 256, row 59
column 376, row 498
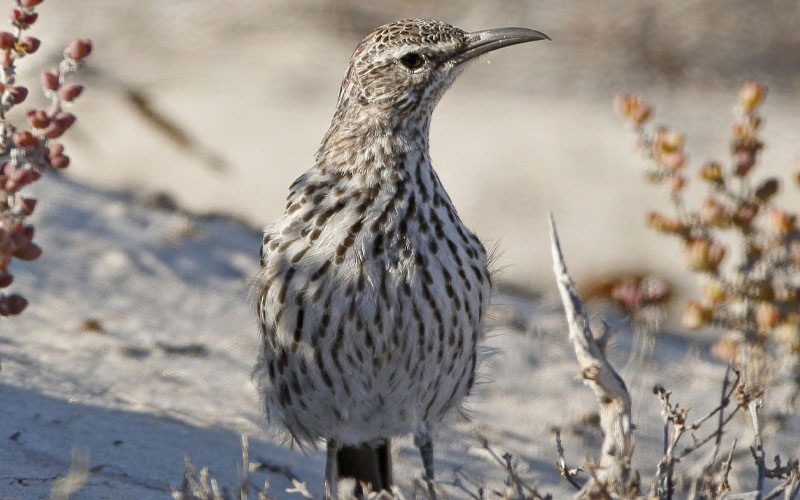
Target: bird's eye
column 412, row 60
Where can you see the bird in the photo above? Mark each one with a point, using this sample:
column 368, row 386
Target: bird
column 371, row 292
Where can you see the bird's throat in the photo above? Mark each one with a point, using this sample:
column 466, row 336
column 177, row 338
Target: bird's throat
column 360, row 147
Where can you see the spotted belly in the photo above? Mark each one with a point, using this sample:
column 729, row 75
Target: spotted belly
column 371, row 307
column 359, row 356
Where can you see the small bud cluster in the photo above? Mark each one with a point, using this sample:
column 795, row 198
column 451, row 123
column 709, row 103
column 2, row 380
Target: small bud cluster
column 642, row 298
column 632, row 293
column 758, row 296
column 27, row 151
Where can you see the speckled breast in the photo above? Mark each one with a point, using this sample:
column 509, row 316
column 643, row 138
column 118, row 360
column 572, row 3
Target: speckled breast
column 371, row 299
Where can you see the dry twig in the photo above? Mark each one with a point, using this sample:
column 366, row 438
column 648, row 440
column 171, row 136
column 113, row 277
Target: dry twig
column 613, row 471
column 563, row 468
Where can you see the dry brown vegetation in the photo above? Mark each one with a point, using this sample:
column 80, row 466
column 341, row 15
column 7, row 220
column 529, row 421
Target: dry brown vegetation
column 26, row 151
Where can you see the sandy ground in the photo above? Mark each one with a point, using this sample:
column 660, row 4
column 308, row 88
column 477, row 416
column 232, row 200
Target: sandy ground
column 139, row 340
column 138, row 344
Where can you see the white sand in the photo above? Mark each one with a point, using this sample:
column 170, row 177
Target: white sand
column 152, row 278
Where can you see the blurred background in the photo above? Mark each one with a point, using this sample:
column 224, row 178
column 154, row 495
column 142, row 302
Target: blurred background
column 217, row 106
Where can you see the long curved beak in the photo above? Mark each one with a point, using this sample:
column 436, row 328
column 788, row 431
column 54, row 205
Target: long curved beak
column 481, row 42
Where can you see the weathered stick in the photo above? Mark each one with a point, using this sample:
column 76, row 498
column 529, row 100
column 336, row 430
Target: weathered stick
column 758, row 448
column 613, row 473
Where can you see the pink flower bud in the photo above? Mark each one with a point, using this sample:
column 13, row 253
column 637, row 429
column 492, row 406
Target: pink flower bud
column 751, row 95
column 38, row 118
column 50, row 79
column 18, row 93
column 673, row 161
column 627, row 293
column 59, row 124
column 715, row 254
column 12, row 305
column 31, row 252
column 7, row 40
column 667, row 141
column 16, row 177
column 744, row 161
column 27, row 205
column 79, row 48
column 745, row 215
column 25, row 139
column 53, row 130
column 22, row 19
column 5, row 58
column 17, row 174
column 767, row 189
column 5, row 279
column 712, row 213
column 676, row 183
column 70, row 92
column 664, row 224
column 56, row 149
column 59, row 161
column 28, row 44
column 632, row 107
column 654, row 289
column 703, row 255
column 10, row 185
column 29, row 3
column 711, row 172
column 65, row 120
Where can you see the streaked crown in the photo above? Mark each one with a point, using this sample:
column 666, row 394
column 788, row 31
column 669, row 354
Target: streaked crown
column 401, row 65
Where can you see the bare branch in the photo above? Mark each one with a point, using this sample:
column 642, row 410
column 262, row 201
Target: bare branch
column 523, row 490
column 729, row 387
column 789, row 488
column 612, row 395
column 726, row 468
column 758, row 447
column 563, row 468
column 749, row 495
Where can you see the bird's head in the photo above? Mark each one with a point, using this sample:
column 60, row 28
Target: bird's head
column 401, row 70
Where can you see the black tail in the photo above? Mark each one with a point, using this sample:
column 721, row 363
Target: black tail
column 366, row 463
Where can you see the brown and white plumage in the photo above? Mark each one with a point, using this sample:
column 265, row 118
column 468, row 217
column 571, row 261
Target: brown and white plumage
column 372, row 292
